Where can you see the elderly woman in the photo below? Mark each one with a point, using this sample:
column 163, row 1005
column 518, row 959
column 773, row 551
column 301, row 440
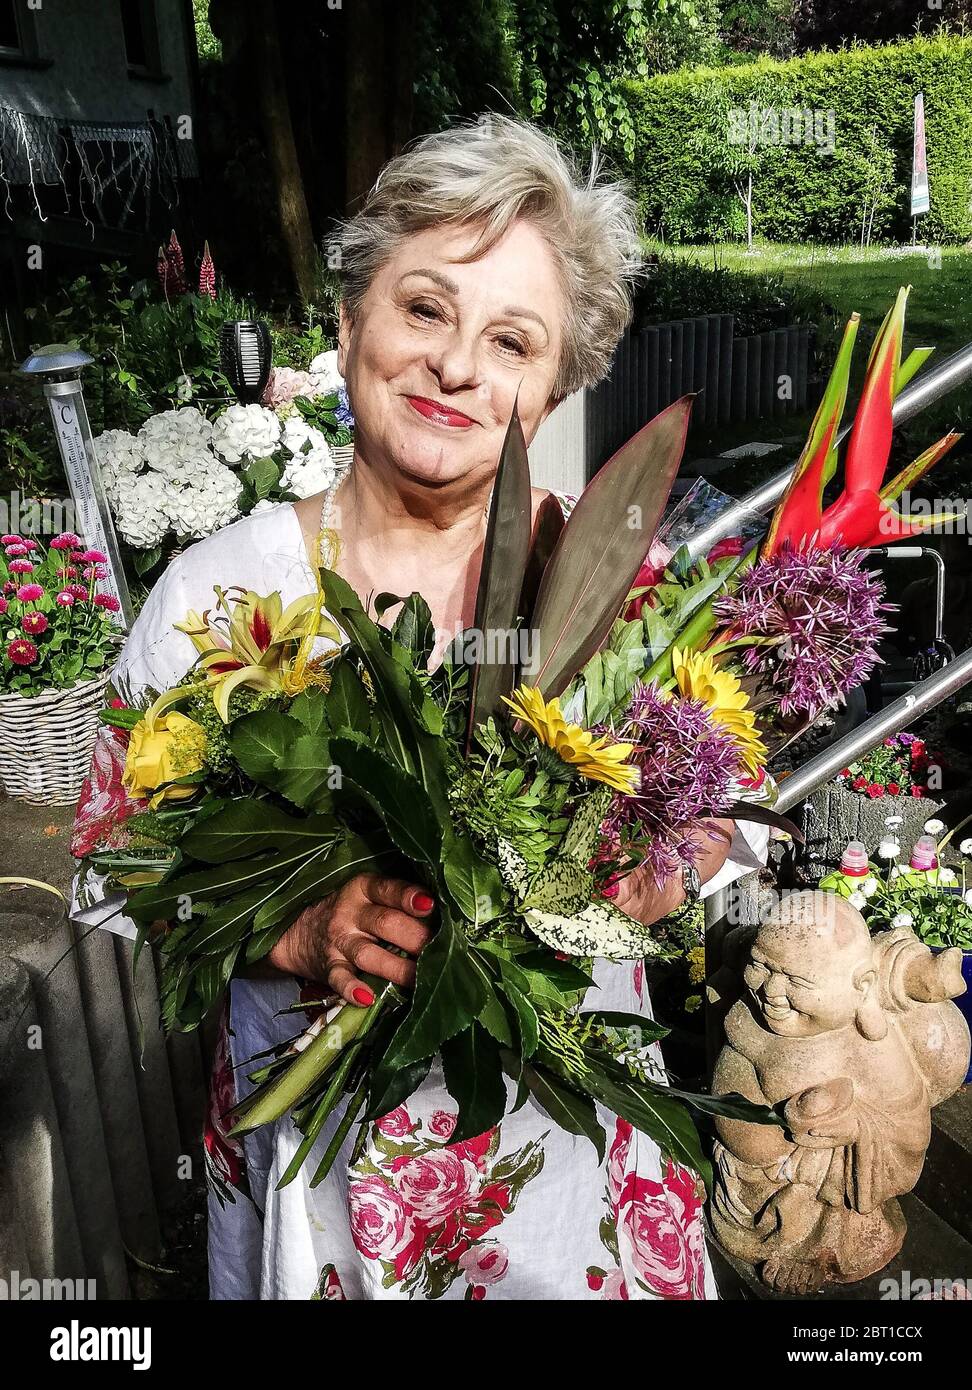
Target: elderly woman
column 479, row 271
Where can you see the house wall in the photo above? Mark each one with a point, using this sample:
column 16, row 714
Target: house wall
column 88, row 77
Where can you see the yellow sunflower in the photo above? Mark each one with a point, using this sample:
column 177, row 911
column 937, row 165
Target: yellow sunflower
column 699, row 678
column 598, row 759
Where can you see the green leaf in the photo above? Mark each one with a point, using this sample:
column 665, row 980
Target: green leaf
column 582, row 837
column 450, row 991
column 399, row 799
column 494, row 1020
column 601, row 550
column 562, row 886
column 526, row 1015
column 246, row 827
column 392, row 1086
column 323, row 873
column 572, row 1111
column 474, row 1078
column 346, row 704
column 145, row 560
column 414, row 630
column 309, row 708
column 501, row 577
column 263, row 475
column 647, row 1029
column 259, row 740
column 599, row 929
column 475, row 885
column 307, row 773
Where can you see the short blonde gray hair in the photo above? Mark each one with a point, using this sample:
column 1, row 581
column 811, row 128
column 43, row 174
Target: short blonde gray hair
column 491, row 172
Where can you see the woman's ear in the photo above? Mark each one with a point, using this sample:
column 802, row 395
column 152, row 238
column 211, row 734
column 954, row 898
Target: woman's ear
column 345, row 326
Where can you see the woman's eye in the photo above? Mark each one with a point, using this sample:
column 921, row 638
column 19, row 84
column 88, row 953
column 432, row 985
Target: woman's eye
column 511, row 345
column 425, row 311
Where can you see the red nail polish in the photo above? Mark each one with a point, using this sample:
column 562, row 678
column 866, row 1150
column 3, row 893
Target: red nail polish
column 421, row 902
column 362, row 996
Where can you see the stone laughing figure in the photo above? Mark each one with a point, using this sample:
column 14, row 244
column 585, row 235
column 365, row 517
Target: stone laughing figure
column 853, row 1039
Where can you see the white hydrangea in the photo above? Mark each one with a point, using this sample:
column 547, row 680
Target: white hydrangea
column 299, row 437
column 308, row 473
column 141, row 507
column 264, row 505
column 245, row 431
column 120, row 455
column 208, row 503
column 324, row 370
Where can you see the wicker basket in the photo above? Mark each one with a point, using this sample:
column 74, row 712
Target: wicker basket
column 46, row 742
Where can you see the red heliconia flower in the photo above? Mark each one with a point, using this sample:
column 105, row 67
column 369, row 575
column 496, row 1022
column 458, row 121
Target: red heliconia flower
column 207, row 273
column 729, row 545
column 21, row 652
column 34, row 623
column 862, row 515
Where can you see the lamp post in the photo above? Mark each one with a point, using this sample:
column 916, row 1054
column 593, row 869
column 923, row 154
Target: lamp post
column 244, row 355
column 58, row 368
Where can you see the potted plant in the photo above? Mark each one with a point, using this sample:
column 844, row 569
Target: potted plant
column 58, row 646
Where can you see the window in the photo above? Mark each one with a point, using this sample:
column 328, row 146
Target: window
column 18, row 37
column 141, row 28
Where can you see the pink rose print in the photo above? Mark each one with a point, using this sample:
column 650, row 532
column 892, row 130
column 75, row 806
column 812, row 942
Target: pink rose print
column 396, row 1124
column 610, row 1285
column 442, row 1124
column 329, row 1286
column 617, row 1160
column 657, row 1221
column 434, row 1185
column 104, row 805
column 380, row 1222
column 486, row 1263
column 224, row 1157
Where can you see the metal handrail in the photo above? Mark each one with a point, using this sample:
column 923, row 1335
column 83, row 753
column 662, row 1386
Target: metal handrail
column 927, row 388
column 917, row 701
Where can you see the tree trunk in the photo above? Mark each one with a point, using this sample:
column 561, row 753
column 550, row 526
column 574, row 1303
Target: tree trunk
column 379, row 57
column 749, row 214
column 267, row 62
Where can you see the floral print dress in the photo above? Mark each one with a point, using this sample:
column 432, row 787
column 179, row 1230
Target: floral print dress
column 524, row 1211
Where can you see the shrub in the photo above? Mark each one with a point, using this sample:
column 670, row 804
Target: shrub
column 809, row 191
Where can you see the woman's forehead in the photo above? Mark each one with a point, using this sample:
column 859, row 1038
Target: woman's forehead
column 519, row 264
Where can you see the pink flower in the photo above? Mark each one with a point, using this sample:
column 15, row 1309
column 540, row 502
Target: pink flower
column 65, row 598
column 381, row 1223
column 4, row 605
column 649, row 575
column 661, row 1223
column 9, row 587
column 94, row 571
column 78, row 590
column 16, row 552
column 67, row 571
column 65, row 541
column 34, row 623
column 442, row 1123
column 432, row 1186
column 10, row 540
column 617, row 1161
column 20, row 567
column 94, row 557
column 29, row 593
column 29, row 543
column 396, row 1124
column 108, row 602
column 284, row 385
column 486, row 1263
column 21, row 652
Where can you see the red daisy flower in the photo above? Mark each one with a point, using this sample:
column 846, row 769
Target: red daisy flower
column 21, row 652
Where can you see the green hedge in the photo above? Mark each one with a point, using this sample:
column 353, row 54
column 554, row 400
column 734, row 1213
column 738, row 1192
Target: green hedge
column 802, row 193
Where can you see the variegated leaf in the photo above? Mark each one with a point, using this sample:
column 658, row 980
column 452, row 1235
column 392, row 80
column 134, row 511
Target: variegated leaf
column 512, row 866
column 601, row 929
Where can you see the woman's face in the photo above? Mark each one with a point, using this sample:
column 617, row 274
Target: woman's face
column 440, row 347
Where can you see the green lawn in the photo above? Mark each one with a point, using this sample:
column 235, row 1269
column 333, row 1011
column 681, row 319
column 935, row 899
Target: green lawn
column 939, row 312
column 940, row 305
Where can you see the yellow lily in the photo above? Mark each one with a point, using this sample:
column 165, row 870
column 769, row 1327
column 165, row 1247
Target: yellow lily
column 256, row 647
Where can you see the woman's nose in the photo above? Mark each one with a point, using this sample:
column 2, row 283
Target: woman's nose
column 455, row 363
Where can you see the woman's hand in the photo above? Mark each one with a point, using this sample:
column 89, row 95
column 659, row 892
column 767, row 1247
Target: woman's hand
column 642, row 899
column 334, row 938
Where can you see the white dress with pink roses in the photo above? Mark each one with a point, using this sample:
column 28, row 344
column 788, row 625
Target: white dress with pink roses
column 525, row 1211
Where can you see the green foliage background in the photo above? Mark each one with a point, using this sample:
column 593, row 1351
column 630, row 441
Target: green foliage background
column 803, row 193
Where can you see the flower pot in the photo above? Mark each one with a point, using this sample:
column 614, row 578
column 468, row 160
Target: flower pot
column 46, row 741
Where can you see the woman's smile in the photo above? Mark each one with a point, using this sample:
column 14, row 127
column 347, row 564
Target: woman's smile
column 439, row 414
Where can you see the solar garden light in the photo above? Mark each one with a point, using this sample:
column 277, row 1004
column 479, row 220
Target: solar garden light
column 244, row 356
column 58, row 368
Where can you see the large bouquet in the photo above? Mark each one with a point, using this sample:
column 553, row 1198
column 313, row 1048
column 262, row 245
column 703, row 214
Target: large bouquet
column 556, row 749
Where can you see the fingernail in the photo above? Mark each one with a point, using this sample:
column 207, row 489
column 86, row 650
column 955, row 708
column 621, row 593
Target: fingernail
column 362, row 996
column 421, row 902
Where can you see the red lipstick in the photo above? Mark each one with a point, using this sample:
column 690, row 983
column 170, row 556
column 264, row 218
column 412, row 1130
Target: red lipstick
column 438, row 413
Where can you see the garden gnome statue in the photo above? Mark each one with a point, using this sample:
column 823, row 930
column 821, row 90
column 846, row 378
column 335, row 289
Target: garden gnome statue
column 853, row 1039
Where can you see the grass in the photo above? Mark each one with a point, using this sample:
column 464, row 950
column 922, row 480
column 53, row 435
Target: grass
column 866, row 281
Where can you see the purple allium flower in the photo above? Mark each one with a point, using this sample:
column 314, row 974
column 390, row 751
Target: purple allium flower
column 687, row 764
column 823, row 610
